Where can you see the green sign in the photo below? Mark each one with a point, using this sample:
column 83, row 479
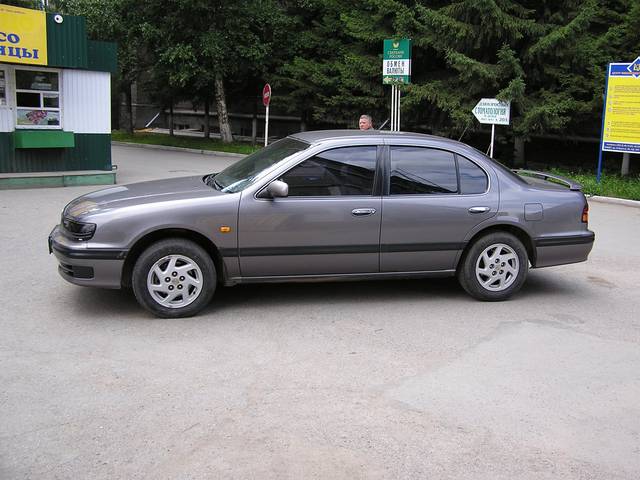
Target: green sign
column 396, row 61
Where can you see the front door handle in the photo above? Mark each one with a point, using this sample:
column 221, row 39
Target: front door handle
column 363, row 212
column 479, row 209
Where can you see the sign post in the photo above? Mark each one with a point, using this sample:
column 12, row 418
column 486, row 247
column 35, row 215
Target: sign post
column 621, row 111
column 396, row 70
column 495, row 112
column 266, row 98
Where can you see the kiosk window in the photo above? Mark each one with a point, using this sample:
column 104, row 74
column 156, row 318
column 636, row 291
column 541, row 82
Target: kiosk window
column 37, row 98
column 3, row 88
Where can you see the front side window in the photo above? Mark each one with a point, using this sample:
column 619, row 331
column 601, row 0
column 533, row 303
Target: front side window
column 418, row 170
column 241, row 174
column 37, row 98
column 340, row 171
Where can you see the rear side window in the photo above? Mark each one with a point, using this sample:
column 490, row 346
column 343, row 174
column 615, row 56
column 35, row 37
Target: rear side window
column 418, row 170
column 472, row 177
column 340, row 171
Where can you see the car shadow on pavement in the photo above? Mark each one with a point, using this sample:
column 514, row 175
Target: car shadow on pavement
column 301, row 295
column 386, row 293
column 89, row 301
column 305, row 294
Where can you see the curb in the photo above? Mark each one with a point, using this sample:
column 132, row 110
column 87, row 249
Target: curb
column 11, row 181
column 179, row 149
column 614, row 201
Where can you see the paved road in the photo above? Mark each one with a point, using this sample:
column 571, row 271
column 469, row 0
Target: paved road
column 359, row 380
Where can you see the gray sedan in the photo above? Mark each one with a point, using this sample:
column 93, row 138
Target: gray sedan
column 326, row 205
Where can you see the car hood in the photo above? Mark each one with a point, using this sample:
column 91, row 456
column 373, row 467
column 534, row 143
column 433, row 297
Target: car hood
column 156, row 191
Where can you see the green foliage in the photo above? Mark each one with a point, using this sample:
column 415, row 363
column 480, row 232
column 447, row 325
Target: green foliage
column 332, row 72
column 548, row 57
column 116, row 21
column 609, row 186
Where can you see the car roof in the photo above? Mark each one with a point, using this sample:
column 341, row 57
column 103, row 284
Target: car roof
column 319, row 136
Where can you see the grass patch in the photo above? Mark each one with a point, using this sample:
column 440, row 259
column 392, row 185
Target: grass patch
column 183, row 142
column 609, row 186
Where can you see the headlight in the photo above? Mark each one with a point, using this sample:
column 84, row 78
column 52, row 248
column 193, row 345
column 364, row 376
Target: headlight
column 79, row 230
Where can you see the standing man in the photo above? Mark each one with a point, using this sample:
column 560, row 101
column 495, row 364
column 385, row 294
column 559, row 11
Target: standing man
column 366, row 122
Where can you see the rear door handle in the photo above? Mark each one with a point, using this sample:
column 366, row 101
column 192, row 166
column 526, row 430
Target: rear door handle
column 363, row 212
column 479, row 209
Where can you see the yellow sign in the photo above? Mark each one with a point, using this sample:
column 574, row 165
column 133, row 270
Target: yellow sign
column 23, row 36
column 621, row 126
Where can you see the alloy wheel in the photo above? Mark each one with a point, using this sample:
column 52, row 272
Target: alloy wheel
column 497, row 267
column 174, row 281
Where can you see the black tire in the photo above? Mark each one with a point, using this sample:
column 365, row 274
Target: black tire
column 193, row 297
column 491, row 271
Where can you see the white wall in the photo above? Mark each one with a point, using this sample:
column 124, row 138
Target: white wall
column 86, row 101
column 7, row 113
column 6, row 119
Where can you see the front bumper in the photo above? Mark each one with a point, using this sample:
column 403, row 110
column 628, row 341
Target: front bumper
column 81, row 265
column 561, row 250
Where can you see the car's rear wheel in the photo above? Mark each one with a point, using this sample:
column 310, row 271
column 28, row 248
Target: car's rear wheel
column 495, row 267
column 174, row 278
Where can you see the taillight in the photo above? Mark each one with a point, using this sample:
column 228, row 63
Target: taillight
column 585, row 213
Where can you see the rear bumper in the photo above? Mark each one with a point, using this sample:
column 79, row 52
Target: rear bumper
column 84, row 266
column 561, row 250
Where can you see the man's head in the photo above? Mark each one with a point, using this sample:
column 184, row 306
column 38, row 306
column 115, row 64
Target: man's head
column 366, row 122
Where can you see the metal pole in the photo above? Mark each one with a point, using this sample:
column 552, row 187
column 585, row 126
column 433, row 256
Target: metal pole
column 395, row 103
column 393, row 108
column 625, row 163
column 391, row 111
column 398, row 129
column 152, row 120
column 493, row 132
column 266, row 127
column 604, row 111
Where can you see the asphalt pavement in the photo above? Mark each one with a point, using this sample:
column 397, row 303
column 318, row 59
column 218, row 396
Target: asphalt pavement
column 389, row 379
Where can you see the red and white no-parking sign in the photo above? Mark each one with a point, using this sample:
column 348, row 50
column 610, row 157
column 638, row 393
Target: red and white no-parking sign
column 266, row 95
column 266, row 98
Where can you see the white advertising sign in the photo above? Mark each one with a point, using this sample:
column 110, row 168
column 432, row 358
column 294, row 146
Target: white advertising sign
column 491, row 110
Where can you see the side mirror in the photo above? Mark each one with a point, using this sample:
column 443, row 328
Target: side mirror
column 277, row 188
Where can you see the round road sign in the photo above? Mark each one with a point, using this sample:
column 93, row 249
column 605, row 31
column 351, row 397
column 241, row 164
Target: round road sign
column 266, row 95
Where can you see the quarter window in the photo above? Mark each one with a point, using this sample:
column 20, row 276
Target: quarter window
column 472, row 177
column 417, row 170
column 341, row 171
column 37, row 98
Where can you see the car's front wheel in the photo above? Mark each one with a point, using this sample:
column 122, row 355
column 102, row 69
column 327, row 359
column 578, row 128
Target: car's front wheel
column 495, row 267
column 174, row 278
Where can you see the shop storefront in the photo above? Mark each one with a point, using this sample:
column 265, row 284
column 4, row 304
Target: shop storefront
column 55, row 94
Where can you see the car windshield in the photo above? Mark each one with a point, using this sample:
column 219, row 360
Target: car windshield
column 243, row 173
